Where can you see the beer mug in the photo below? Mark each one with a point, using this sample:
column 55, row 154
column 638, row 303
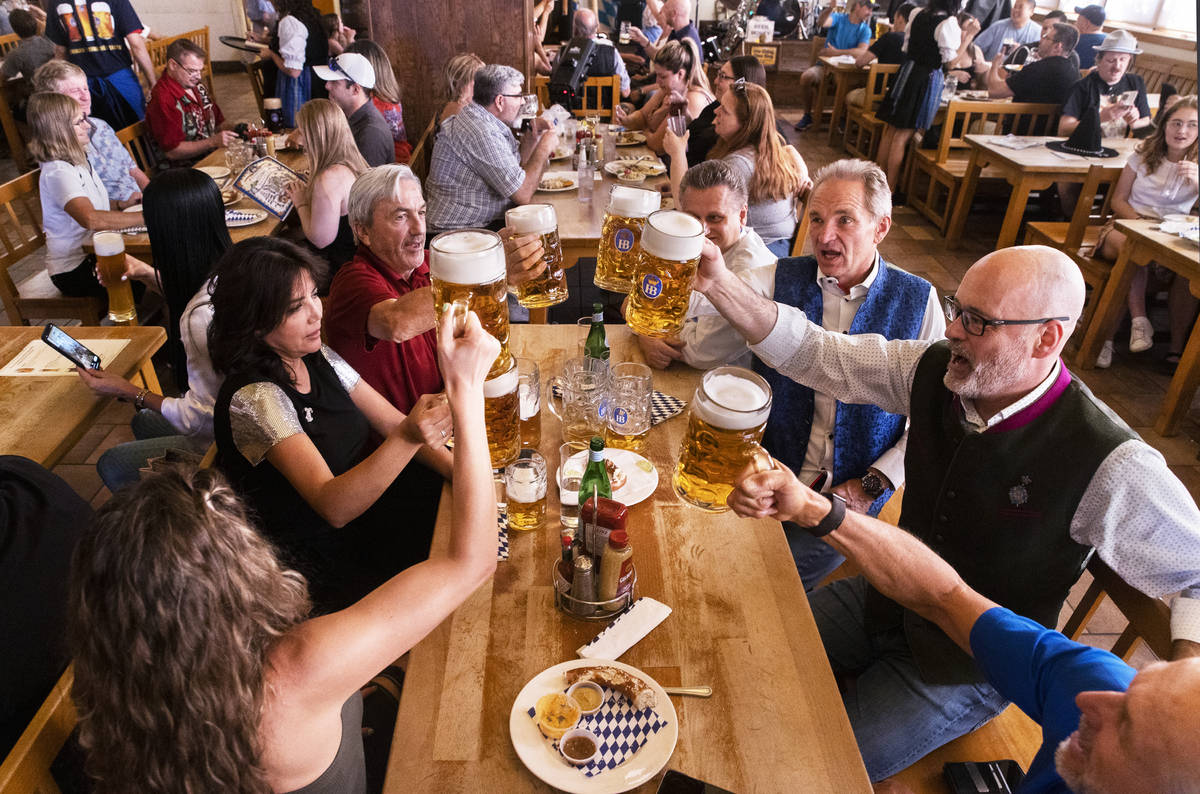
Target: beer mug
column 581, row 400
column 550, row 287
column 525, row 492
column 619, row 236
column 572, row 461
column 467, row 265
column 725, row 425
column 110, row 261
column 529, row 392
column 663, row 275
column 627, row 420
column 502, row 417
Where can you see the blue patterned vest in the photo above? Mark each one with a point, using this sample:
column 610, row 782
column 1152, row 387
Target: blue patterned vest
column 895, row 307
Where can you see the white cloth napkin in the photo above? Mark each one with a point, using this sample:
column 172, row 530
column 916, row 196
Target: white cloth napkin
column 1011, row 141
column 625, row 632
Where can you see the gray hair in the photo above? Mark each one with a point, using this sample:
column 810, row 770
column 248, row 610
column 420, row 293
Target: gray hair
column 714, row 173
column 373, row 186
column 876, row 193
column 491, row 81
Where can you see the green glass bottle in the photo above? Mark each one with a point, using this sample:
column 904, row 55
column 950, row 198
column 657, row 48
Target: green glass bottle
column 595, row 476
column 595, row 349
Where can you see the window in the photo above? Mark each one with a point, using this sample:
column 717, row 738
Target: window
column 1169, row 14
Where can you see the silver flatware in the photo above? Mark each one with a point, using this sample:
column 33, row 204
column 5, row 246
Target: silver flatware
column 698, row 691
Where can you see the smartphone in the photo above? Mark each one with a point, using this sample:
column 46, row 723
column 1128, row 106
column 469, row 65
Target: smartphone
column 70, row 347
column 678, row 783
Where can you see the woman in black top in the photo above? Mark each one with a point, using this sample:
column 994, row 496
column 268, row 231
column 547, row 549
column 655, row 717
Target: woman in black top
column 702, row 135
column 298, row 432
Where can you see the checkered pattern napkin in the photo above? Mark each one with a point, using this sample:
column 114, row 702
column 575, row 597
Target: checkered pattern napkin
column 662, row 406
column 621, row 731
column 239, row 215
column 502, row 527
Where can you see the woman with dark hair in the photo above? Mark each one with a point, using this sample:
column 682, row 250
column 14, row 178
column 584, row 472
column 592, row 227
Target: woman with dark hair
column 185, row 221
column 299, row 44
column 195, row 666
column 298, row 432
column 682, row 87
column 701, row 134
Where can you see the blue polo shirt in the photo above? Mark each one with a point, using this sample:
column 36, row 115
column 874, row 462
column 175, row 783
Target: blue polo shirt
column 1042, row 671
column 1086, row 48
column 846, row 35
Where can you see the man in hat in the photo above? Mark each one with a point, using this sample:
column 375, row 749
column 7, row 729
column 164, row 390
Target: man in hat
column 1088, row 23
column 1047, row 79
column 349, row 78
column 1111, row 78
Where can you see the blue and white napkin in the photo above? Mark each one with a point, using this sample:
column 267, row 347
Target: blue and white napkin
column 620, row 729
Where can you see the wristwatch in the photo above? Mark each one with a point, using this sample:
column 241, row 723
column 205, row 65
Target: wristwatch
column 873, row 485
column 832, row 520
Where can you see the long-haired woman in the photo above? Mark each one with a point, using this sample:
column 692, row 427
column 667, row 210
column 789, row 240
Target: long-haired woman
column 701, row 134
column 185, row 221
column 682, row 88
column 386, row 94
column 74, row 200
column 196, row 668
column 298, row 432
column 299, row 44
column 1159, row 179
column 460, row 83
column 321, row 201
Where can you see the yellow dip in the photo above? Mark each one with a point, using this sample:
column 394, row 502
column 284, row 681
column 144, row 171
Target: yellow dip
column 587, row 698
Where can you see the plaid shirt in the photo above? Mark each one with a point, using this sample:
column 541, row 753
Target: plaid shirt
column 475, row 168
column 111, row 161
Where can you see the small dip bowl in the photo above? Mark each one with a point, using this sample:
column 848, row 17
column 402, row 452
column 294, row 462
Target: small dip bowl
column 632, row 178
column 587, row 695
column 579, row 741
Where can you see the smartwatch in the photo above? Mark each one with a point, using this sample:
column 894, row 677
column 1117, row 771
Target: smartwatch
column 833, row 520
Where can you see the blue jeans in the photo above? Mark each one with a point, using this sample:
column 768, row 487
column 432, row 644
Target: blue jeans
column 781, row 248
column 896, row 716
column 121, row 465
column 815, row 559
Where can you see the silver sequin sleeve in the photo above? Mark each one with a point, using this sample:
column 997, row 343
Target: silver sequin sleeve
column 346, row 373
column 260, row 416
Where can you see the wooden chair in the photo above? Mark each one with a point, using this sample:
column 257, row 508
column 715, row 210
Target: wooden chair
column 1077, row 237
column 862, row 127
column 26, row 769
column 801, row 237
column 141, row 147
column 1158, row 69
column 600, row 95
column 1149, row 618
column 20, row 235
column 254, row 70
column 158, row 54
column 818, row 44
column 935, row 175
column 8, row 43
column 10, row 90
column 422, row 153
column 541, row 87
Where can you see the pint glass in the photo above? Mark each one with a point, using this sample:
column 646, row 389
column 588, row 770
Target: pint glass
column 580, row 401
column 550, row 287
column 525, row 492
column 725, row 426
column 529, row 389
column 468, row 265
column 110, row 261
column 501, row 415
column 663, row 275
column 619, row 236
column 629, row 410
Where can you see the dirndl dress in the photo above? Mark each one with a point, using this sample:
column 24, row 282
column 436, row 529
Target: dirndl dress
column 914, row 94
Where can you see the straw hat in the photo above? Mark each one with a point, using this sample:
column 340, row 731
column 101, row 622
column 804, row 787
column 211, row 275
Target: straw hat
column 1119, row 41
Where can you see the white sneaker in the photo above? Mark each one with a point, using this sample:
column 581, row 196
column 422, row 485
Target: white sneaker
column 1141, row 335
column 1104, row 360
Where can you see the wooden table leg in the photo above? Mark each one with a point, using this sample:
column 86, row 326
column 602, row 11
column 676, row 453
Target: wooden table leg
column 820, row 107
column 842, row 82
column 1182, row 388
column 149, row 377
column 966, row 194
column 1112, row 302
column 1014, row 214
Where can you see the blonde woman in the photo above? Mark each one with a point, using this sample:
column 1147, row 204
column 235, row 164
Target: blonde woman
column 386, row 95
column 321, row 201
column 460, row 81
column 682, row 86
column 74, row 200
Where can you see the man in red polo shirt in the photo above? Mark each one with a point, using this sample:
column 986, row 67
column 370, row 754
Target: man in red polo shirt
column 182, row 117
column 380, row 314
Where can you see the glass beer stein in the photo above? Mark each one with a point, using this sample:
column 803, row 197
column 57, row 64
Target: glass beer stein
column 501, row 416
column 663, row 275
column 619, row 236
column 550, row 287
column 467, row 265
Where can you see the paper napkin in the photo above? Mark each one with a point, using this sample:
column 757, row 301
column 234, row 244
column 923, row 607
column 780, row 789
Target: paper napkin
column 624, row 632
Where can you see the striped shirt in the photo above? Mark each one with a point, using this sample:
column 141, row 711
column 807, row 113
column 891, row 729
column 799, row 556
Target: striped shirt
column 476, row 167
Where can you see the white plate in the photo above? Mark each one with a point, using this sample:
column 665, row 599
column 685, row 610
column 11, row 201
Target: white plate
column 631, row 139
column 1178, row 217
column 231, row 196
column 215, row 171
column 244, row 217
column 540, row 757
column 641, row 478
column 133, row 208
column 558, row 175
column 652, row 168
column 1192, row 235
column 561, row 153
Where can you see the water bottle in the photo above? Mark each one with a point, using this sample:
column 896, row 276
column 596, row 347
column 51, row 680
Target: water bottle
column 585, row 173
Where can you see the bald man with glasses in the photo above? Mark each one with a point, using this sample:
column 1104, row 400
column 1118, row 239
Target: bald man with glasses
column 1016, row 474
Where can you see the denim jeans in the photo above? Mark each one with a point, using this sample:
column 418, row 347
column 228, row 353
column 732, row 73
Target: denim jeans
column 781, row 248
column 896, row 716
column 815, row 559
column 120, row 465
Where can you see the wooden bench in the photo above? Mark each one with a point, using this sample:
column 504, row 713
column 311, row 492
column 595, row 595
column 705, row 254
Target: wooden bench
column 1158, row 69
column 863, row 128
column 934, row 176
column 26, row 769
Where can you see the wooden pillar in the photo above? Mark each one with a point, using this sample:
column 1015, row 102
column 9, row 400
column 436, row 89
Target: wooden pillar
column 421, row 35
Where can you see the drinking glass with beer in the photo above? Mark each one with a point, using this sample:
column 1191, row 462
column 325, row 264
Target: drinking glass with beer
column 663, row 275
column 572, row 460
column 620, row 236
column 110, row 262
column 525, row 491
column 468, row 265
column 725, row 425
column 529, row 392
column 502, row 416
column 549, row 288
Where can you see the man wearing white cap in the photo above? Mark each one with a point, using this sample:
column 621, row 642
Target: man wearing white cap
column 349, row 78
column 1110, row 78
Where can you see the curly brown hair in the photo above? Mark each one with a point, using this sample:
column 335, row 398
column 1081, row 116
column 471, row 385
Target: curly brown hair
column 175, row 602
column 1153, row 149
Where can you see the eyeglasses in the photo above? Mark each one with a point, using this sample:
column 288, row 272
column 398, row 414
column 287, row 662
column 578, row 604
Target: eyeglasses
column 80, row 122
column 193, row 72
column 723, row 76
column 975, row 324
column 515, row 96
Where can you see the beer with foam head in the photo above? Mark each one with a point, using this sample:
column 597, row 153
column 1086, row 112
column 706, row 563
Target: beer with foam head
column 620, row 235
column 728, row 415
column 110, row 261
column 468, row 265
column 502, row 416
column 663, row 275
column 550, row 286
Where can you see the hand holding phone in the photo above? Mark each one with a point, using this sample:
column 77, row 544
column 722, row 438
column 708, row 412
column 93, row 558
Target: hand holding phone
column 70, row 347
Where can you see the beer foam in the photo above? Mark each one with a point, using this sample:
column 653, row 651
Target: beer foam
column 467, row 256
column 531, row 219
column 529, row 402
column 524, row 485
column 108, row 243
column 673, row 235
column 632, row 202
column 731, row 401
column 502, row 384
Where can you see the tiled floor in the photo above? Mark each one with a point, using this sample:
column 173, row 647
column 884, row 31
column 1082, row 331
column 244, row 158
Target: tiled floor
column 1134, row 386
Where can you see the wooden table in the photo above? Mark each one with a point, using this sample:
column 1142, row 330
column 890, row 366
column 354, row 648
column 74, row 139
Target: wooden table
column 846, row 76
column 1145, row 243
column 741, row 623
column 1035, row 168
column 41, row 418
